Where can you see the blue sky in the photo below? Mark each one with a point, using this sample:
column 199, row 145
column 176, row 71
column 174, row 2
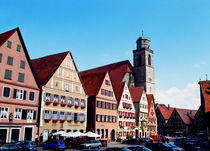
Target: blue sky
column 99, row 32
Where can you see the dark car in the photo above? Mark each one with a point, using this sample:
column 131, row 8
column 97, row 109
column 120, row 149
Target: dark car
column 173, row 146
column 10, row 147
column 55, row 145
column 117, row 149
column 27, row 145
column 139, row 148
column 160, row 147
column 133, row 141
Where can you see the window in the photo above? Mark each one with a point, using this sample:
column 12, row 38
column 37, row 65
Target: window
column 22, row 64
column 4, row 112
column 149, row 60
column 107, row 105
column 19, row 94
column 66, row 86
column 10, row 60
column 103, row 105
column 68, row 62
column 9, row 44
column 8, row 74
column 114, row 106
column 67, row 74
column 102, row 133
column 18, row 113
column 106, row 134
column 60, row 71
column 99, row 104
column 76, row 88
column 107, row 119
column 0, row 57
column 107, row 82
column 98, row 118
column 98, row 131
column 56, row 84
column 102, row 91
column 31, row 96
column 21, row 77
column 30, row 114
column 18, row 47
column 110, row 118
column 6, row 92
column 102, row 118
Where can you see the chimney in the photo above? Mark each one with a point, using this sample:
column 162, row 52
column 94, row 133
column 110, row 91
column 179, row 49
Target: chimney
column 168, row 106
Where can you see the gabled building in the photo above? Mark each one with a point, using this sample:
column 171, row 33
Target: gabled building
column 19, row 90
column 181, row 122
column 205, row 103
column 152, row 118
column 163, row 114
column 126, row 111
column 140, row 102
column 102, row 104
column 63, row 98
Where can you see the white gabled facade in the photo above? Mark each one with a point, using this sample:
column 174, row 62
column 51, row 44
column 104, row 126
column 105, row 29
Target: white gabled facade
column 143, row 115
column 126, row 115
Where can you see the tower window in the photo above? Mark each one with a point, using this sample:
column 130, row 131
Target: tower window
column 139, row 60
column 149, row 60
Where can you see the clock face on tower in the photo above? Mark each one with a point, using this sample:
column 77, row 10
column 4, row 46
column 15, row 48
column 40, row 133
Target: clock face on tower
column 150, row 79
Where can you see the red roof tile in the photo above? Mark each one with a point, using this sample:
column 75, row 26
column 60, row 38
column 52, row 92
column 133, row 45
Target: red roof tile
column 92, row 82
column 46, row 66
column 187, row 115
column 6, row 35
column 118, row 90
column 166, row 112
column 136, row 93
column 205, row 90
column 116, row 70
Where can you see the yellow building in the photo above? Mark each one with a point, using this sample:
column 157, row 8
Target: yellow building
column 63, row 98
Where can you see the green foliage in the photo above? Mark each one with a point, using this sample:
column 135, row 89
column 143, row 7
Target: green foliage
column 129, row 137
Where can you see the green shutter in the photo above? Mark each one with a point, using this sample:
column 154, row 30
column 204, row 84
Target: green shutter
column 9, row 44
column 21, row 77
column 18, row 47
column 10, row 60
column 8, row 74
column 0, row 57
column 31, row 96
column 22, row 64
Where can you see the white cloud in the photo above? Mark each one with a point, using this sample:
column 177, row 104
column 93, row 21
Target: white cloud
column 188, row 97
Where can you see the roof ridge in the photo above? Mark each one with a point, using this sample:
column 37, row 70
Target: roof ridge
column 4, row 36
column 51, row 55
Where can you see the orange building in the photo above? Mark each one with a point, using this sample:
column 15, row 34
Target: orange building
column 102, row 104
column 152, row 119
column 19, row 90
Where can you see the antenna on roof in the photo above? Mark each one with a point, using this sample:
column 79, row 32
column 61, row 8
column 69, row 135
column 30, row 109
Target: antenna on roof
column 206, row 77
column 142, row 32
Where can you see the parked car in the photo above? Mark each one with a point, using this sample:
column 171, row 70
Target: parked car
column 173, row 146
column 139, row 148
column 160, row 147
column 27, row 145
column 91, row 144
column 12, row 147
column 55, row 145
column 117, row 149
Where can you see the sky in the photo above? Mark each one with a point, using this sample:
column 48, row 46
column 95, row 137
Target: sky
column 100, row 32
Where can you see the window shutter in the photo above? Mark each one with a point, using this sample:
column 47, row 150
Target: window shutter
column 24, row 95
column 34, row 117
column 15, row 93
column 24, row 114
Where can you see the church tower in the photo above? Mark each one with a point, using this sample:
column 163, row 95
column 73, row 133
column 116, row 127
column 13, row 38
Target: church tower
column 143, row 65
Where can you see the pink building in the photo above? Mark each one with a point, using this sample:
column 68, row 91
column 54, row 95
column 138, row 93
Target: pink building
column 102, row 104
column 19, row 91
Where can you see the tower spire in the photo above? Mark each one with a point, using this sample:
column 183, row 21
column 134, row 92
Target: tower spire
column 142, row 32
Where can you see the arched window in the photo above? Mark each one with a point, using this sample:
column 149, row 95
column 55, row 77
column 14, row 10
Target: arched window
column 139, row 60
column 149, row 60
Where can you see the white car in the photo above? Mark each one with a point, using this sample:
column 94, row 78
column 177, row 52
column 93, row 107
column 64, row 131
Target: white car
column 91, row 144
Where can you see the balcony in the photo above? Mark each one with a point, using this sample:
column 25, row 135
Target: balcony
column 63, row 101
column 47, row 99
column 82, row 117
column 54, row 118
column 47, row 117
column 69, row 116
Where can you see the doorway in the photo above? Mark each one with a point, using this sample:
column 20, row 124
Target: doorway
column 113, row 135
column 28, row 133
column 3, row 136
column 15, row 135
